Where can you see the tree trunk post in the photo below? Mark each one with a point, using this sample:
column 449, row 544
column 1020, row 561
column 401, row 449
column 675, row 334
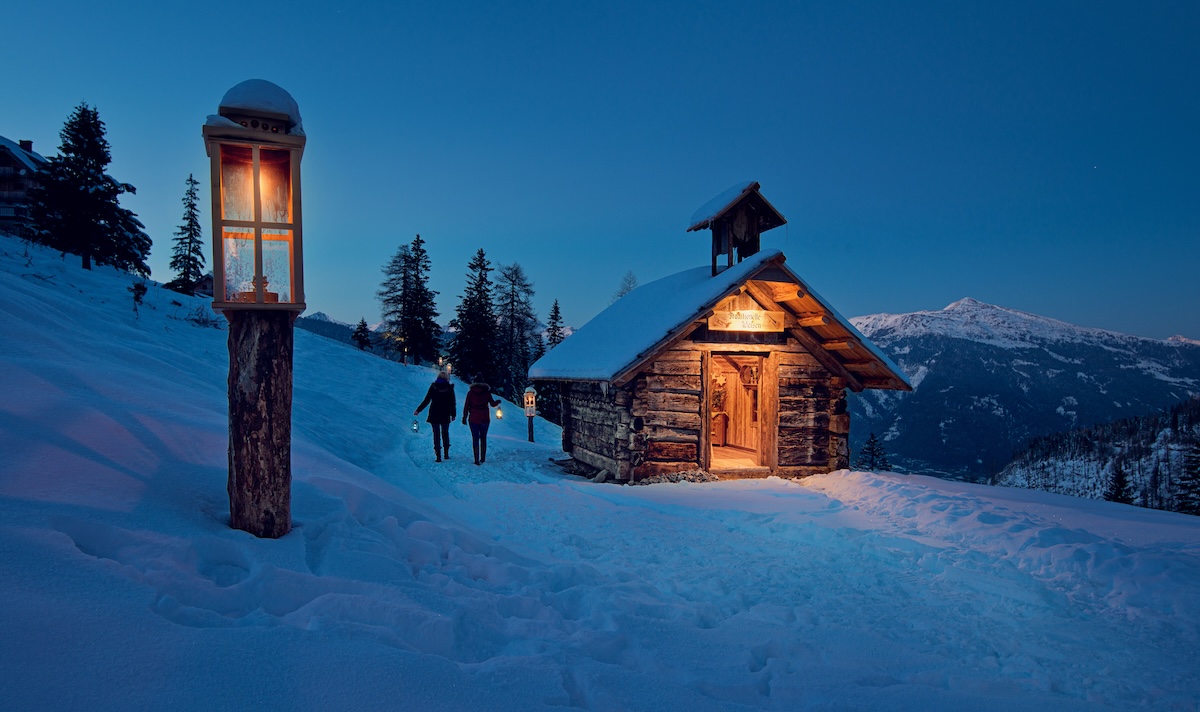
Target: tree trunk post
column 260, row 421
column 531, row 428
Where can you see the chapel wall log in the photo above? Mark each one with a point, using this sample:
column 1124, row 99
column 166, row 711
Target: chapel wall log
column 666, row 405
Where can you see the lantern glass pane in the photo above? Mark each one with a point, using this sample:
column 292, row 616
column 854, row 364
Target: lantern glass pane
column 238, row 246
column 275, row 185
column 237, row 183
column 277, row 264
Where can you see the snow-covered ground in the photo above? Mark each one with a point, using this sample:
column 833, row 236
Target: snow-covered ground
column 407, row 584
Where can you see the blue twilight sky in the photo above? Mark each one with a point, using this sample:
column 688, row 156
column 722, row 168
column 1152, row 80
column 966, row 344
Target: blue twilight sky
column 1043, row 156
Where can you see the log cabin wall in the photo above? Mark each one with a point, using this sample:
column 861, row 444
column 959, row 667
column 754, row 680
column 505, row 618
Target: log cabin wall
column 596, row 424
column 812, row 407
column 666, row 433
column 652, row 425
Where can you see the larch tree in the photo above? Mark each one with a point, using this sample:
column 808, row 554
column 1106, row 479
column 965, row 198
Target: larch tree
column 75, row 208
column 516, row 328
column 397, row 279
column 187, row 258
column 474, row 325
column 628, row 283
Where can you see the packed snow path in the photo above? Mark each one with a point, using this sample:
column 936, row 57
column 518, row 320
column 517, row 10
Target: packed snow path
column 410, row 584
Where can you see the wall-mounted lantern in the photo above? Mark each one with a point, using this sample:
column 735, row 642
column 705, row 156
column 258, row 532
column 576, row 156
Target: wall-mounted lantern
column 530, row 408
column 254, row 143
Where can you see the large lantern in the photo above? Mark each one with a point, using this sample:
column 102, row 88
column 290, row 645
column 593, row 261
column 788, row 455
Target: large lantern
column 254, row 144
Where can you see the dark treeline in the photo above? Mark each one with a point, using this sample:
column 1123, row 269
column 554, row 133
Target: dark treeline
column 1150, row 461
column 494, row 335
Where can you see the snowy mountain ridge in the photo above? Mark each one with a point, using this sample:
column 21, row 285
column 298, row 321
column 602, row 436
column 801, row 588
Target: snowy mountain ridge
column 987, row 378
column 984, row 323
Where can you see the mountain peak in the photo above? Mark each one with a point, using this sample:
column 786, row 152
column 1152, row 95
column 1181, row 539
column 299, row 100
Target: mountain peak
column 967, row 303
column 973, row 320
column 1178, row 339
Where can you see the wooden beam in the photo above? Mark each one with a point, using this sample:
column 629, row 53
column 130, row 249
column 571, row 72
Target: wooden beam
column 838, row 345
column 732, row 347
column 761, row 295
column 786, row 292
column 885, row 383
column 826, row 359
column 860, row 366
column 812, row 320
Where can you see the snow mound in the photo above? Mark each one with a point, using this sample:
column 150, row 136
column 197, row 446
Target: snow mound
column 512, row 586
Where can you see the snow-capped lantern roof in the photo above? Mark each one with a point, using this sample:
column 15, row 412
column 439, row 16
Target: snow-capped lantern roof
column 258, row 104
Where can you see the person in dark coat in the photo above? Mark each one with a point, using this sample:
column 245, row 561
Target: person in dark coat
column 477, row 411
column 443, row 406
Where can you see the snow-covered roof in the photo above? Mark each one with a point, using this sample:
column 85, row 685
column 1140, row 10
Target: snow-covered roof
column 642, row 320
column 260, row 95
column 717, row 205
column 33, row 161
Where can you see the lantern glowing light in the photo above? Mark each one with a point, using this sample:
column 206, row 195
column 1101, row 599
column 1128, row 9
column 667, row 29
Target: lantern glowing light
column 499, row 413
column 255, row 144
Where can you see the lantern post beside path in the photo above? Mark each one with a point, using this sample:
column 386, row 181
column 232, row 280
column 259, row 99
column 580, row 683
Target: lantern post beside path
column 255, row 143
column 530, row 408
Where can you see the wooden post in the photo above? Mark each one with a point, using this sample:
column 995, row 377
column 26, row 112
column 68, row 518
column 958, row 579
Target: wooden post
column 260, row 421
column 531, row 428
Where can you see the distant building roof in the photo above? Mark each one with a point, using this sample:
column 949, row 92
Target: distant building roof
column 33, row 161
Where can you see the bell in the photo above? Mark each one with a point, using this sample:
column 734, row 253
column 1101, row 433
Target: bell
column 415, row 427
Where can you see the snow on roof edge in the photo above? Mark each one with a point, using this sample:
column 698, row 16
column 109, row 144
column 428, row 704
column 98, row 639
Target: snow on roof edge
column 639, row 322
column 718, row 203
column 29, row 158
column 618, row 336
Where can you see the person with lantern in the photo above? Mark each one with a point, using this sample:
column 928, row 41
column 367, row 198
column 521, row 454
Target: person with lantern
column 443, row 406
column 477, row 411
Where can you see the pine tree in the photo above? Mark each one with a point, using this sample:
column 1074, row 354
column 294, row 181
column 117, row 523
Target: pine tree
column 362, row 335
column 187, row 259
column 410, row 325
column 554, row 327
column 474, row 324
column 397, row 280
column 516, row 326
column 539, row 348
column 419, row 327
column 75, row 207
column 872, row 457
column 1187, row 486
column 1118, row 489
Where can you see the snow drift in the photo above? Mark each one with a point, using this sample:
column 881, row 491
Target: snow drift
column 413, row 585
